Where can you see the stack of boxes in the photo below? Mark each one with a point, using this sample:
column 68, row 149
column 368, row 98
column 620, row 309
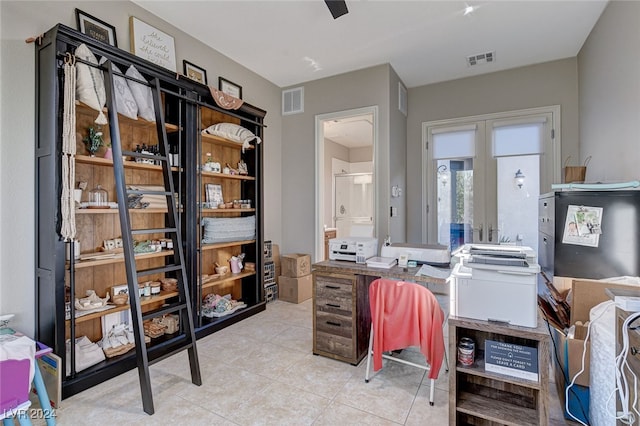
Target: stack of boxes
column 296, row 281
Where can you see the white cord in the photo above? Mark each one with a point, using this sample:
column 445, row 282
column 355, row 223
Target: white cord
column 626, row 416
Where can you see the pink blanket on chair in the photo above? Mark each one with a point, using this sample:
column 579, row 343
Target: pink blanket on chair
column 406, row 314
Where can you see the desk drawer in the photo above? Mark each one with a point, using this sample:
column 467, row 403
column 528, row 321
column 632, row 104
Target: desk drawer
column 339, row 304
column 333, row 288
column 334, row 324
column 336, row 345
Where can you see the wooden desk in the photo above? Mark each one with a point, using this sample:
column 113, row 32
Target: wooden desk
column 341, row 316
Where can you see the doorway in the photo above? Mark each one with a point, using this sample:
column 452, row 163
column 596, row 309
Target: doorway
column 345, row 173
column 483, row 176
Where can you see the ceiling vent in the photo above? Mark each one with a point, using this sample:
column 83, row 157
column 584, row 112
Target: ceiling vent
column 481, row 58
column 293, row 101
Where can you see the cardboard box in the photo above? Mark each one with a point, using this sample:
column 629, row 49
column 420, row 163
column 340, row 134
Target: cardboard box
column 295, row 265
column 585, row 295
column 295, row 290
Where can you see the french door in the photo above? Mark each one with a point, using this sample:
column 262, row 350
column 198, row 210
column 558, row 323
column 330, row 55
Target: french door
column 482, row 177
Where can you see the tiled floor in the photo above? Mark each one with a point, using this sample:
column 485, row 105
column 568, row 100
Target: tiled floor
column 261, row 371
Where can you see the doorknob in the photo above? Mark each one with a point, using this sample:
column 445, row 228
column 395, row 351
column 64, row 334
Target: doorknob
column 491, row 231
column 480, row 232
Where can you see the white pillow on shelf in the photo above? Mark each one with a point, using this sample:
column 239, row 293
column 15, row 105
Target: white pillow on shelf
column 90, row 82
column 232, row 132
column 125, row 102
column 142, row 94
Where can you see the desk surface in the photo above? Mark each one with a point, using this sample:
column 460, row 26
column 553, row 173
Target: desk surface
column 408, row 274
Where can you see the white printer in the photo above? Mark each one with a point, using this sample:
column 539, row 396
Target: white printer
column 353, row 249
column 495, row 283
column 431, row 254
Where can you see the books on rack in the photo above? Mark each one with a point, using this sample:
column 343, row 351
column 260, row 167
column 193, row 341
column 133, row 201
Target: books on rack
column 381, row 262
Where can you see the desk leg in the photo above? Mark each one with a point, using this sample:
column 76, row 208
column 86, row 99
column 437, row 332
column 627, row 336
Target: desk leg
column 43, row 397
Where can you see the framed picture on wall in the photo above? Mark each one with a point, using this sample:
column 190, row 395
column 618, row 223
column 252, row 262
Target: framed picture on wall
column 150, row 43
column 229, row 87
column 194, row 72
column 96, row 28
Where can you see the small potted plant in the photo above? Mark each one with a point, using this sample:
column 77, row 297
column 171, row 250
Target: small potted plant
column 93, row 141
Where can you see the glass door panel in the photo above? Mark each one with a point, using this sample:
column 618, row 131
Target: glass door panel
column 455, row 215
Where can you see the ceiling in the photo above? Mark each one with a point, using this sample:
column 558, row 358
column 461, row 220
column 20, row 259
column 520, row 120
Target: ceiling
column 295, row 41
column 292, row 42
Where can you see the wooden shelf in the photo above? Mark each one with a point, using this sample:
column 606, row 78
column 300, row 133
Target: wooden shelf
column 224, row 245
column 502, row 413
column 217, row 140
column 115, row 211
column 225, row 176
column 478, row 370
column 496, row 398
column 99, row 161
column 226, row 278
column 122, row 119
column 164, row 295
column 119, row 258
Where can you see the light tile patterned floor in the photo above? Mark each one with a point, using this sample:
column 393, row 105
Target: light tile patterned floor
column 262, row 372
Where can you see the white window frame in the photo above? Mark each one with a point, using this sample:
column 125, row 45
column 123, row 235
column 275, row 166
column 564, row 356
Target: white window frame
column 551, row 159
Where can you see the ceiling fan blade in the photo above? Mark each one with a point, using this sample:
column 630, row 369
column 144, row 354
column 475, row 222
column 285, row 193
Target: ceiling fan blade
column 337, row 8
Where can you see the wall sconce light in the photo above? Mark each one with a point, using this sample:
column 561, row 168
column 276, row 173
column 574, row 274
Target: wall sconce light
column 519, row 178
column 443, row 175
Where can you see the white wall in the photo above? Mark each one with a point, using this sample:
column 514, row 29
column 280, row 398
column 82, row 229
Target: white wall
column 609, row 70
column 22, row 19
column 352, row 90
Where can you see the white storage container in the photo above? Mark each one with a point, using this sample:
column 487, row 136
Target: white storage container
column 495, row 293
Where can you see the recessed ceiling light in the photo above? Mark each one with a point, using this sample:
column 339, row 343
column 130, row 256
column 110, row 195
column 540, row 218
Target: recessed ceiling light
column 468, row 10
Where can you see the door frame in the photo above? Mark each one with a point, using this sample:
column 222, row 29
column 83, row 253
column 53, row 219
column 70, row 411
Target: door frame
column 428, row 183
column 320, row 175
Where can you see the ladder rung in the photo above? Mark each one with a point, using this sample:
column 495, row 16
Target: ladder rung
column 166, row 268
column 153, row 231
column 164, row 310
column 184, row 346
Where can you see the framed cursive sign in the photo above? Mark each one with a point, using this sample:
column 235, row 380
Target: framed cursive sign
column 152, row 44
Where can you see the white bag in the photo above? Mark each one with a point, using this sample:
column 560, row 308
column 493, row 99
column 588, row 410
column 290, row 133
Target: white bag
column 87, row 354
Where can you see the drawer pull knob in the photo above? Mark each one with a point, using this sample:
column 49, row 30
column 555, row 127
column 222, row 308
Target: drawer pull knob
column 333, row 287
column 333, row 305
column 337, row 324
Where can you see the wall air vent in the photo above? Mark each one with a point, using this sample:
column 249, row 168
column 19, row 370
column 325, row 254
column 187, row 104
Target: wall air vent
column 293, row 101
column 481, row 58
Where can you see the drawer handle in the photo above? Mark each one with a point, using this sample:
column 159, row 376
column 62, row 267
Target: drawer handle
column 333, row 287
column 634, row 351
column 337, row 324
column 333, row 305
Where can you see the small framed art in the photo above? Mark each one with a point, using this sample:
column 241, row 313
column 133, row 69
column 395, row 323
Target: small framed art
column 194, row 72
column 229, row 87
column 96, row 28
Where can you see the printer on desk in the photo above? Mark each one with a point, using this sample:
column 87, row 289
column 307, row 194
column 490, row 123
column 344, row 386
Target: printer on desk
column 495, row 283
column 353, row 249
column 431, row 254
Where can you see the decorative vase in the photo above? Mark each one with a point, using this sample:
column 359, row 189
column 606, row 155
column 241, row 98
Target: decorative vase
column 108, row 154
